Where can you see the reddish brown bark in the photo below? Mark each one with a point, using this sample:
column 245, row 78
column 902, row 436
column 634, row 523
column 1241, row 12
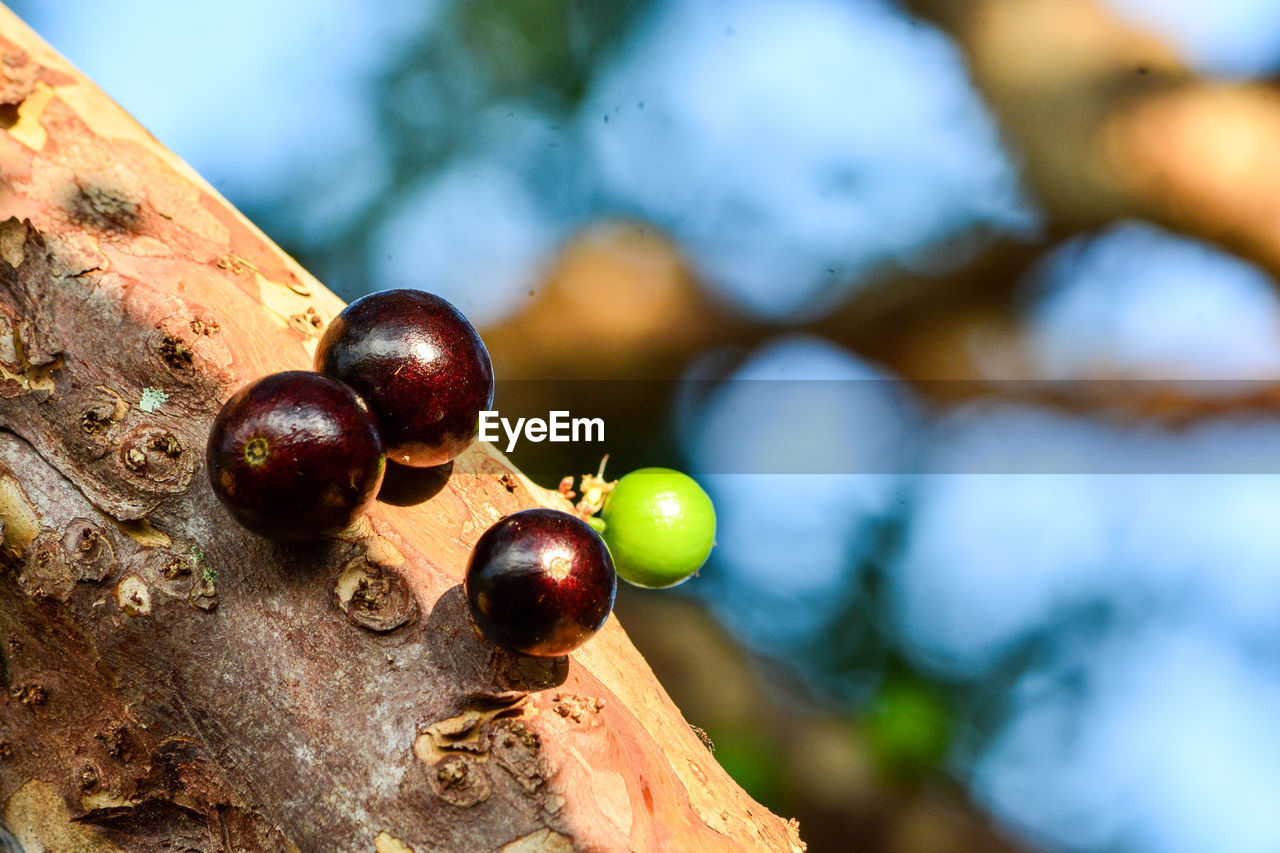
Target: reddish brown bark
column 174, row 682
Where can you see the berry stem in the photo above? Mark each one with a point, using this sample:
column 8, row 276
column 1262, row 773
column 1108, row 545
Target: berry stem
column 594, row 488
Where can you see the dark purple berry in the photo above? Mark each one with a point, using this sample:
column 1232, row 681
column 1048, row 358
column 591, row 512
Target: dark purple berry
column 295, row 455
column 540, row 582
column 421, row 367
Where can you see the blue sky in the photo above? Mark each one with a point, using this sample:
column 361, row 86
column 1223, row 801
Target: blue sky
column 793, row 150
column 1138, row 301
column 796, row 149
column 1227, row 38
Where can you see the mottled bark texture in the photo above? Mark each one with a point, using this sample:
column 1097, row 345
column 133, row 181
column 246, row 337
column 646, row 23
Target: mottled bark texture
column 172, row 682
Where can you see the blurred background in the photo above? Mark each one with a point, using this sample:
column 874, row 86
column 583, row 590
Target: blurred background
column 1020, row 588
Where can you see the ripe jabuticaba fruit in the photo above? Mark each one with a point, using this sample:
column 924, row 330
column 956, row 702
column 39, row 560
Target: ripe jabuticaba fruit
column 421, row 367
column 295, row 456
column 540, row 582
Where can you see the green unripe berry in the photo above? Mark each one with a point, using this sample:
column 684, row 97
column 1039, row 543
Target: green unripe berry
column 659, row 526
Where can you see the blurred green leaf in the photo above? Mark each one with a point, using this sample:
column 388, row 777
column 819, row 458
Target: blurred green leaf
column 909, row 727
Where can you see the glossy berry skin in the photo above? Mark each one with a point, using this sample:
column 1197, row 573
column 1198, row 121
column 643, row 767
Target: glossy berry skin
column 295, row 456
column 421, row 367
column 660, row 526
column 540, row 582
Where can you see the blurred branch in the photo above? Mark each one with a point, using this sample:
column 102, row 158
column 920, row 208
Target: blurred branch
column 825, row 769
column 619, row 302
column 1110, row 124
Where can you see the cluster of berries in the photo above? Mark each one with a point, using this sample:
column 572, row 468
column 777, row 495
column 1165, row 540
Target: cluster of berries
column 401, row 376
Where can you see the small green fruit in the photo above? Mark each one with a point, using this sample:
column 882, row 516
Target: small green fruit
column 659, row 526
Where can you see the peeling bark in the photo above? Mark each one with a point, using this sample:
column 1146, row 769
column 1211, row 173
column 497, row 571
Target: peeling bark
column 172, row 682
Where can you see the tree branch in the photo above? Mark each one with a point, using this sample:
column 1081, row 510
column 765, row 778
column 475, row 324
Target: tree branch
column 170, row 679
